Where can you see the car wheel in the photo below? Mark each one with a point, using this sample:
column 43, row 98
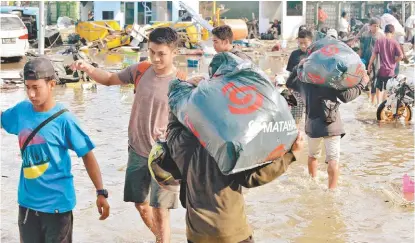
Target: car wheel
column 14, row 59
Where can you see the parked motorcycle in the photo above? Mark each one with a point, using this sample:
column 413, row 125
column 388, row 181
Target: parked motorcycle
column 399, row 104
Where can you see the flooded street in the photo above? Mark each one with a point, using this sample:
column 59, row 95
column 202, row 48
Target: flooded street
column 293, row 208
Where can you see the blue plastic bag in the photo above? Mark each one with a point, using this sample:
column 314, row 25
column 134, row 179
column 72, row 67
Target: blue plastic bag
column 333, row 64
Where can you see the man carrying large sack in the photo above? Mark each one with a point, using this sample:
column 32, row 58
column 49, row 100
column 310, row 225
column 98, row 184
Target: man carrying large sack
column 323, row 122
column 215, row 206
column 234, row 130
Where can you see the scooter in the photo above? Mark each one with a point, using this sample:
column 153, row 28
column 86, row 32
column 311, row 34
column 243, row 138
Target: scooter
column 400, row 102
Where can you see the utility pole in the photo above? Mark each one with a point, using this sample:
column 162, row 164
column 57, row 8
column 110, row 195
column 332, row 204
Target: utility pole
column 41, row 37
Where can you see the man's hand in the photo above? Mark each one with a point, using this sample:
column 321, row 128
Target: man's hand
column 299, row 143
column 103, row 207
column 195, row 80
column 365, row 80
column 369, row 68
column 302, row 62
column 82, row 65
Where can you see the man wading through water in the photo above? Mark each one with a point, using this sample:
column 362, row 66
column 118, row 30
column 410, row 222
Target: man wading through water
column 305, row 38
column 367, row 43
column 148, row 123
column 215, row 205
column 323, row 122
column 390, row 54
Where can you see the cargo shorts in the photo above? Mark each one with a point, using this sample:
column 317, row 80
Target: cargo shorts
column 332, row 145
column 140, row 187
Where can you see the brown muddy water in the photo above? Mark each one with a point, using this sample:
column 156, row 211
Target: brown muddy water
column 293, row 208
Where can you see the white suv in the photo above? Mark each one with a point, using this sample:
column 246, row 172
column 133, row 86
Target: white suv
column 14, row 37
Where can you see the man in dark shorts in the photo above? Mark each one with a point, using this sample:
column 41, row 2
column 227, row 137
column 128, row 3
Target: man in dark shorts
column 148, row 123
column 46, row 191
column 390, row 54
column 367, row 43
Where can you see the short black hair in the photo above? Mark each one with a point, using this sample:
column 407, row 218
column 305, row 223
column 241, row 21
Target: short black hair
column 344, row 14
column 164, row 35
column 389, row 29
column 394, row 9
column 305, row 34
column 223, row 32
column 324, row 30
column 302, row 27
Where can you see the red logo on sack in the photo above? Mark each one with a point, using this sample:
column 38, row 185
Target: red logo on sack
column 315, row 78
column 244, row 99
column 329, row 50
column 193, row 130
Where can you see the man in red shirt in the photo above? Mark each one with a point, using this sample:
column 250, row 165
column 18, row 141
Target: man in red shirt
column 322, row 16
column 390, row 54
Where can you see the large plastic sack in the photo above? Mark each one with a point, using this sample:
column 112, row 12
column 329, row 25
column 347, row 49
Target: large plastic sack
column 333, row 64
column 237, row 115
column 390, row 19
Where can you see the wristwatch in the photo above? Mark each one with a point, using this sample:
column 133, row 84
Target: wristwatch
column 102, row 192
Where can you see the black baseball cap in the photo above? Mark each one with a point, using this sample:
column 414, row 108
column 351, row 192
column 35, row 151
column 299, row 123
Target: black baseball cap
column 39, row 68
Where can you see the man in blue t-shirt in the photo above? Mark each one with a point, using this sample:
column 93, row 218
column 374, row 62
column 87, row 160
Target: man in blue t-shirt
column 46, row 193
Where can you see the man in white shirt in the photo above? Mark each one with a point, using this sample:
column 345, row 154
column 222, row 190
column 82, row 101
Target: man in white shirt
column 343, row 26
column 410, row 27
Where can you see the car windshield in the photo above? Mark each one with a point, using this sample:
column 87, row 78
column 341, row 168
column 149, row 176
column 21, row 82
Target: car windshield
column 11, row 23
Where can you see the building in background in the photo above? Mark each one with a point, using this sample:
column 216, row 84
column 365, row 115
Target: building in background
column 141, row 12
column 53, row 9
column 292, row 14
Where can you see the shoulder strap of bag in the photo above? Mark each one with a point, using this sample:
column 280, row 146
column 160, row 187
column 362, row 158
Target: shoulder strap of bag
column 142, row 67
column 40, row 127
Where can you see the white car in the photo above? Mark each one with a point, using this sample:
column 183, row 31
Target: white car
column 14, row 37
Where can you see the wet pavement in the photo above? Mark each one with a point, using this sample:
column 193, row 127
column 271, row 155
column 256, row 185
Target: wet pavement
column 293, row 208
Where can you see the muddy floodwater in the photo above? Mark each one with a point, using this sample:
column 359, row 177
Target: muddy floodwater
column 293, row 208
